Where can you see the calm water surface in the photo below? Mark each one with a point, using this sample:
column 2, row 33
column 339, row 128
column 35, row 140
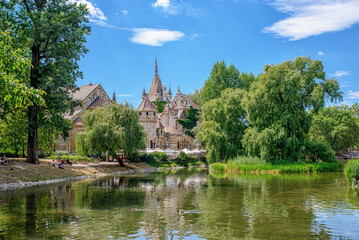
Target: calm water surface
column 185, row 204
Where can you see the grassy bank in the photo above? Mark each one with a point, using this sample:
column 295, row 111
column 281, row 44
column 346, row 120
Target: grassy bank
column 256, row 165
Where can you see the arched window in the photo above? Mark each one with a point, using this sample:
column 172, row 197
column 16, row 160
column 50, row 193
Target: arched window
column 139, row 113
column 146, row 113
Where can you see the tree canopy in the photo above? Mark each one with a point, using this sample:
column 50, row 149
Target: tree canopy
column 110, row 129
column 52, row 34
column 278, row 104
column 336, row 126
column 223, row 125
column 221, row 78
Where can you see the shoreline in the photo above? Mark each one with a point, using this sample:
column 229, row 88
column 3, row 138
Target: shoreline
column 18, row 185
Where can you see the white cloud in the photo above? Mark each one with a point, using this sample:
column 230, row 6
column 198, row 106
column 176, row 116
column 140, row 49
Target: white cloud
column 124, row 12
column 341, row 73
column 96, row 14
column 176, row 7
column 124, row 95
column 320, row 53
column 154, row 37
column 197, row 35
column 313, row 17
column 161, row 3
column 353, row 95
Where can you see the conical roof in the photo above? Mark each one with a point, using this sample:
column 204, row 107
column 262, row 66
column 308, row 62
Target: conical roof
column 146, row 106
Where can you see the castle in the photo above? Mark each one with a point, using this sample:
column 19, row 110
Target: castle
column 163, row 129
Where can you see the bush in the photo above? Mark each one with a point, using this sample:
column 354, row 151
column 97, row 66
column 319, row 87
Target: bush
column 184, row 160
column 42, row 154
column 318, row 151
column 351, row 171
column 150, row 159
column 160, row 156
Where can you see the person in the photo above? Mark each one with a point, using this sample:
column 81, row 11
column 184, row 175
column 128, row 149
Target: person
column 68, row 162
column 6, row 161
column 61, row 165
column 53, row 164
column 2, row 161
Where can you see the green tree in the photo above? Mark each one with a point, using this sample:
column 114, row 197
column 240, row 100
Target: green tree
column 196, row 97
column 15, row 94
column 190, row 122
column 53, row 34
column 278, row 104
column 160, row 105
column 222, row 78
column 335, row 126
column 223, row 125
column 110, row 129
column 13, row 133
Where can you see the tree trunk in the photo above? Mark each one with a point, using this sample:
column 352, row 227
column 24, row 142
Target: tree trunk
column 32, row 155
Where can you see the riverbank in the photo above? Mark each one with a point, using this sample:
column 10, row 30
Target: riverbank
column 22, row 174
column 268, row 168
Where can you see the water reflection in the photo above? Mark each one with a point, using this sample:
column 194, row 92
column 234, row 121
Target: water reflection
column 184, row 204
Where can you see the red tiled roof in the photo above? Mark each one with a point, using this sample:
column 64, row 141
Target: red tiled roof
column 172, row 130
column 146, row 105
column 188, row 98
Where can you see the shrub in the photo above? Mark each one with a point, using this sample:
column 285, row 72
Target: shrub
column 351, row 171
column 150, row 159
column 42, row 154
column 160, row 156
column 318, row 151
column 184, row 160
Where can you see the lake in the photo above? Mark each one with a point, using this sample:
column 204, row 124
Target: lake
column 185, row 204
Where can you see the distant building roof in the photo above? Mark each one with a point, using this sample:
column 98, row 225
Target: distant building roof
column 172, row 130
column 78, row 122
column 97, row 103
column 83, row 91
column 159, row 125
column 147, row 106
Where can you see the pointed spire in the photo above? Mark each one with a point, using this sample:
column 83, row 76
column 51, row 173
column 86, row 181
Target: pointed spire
column 114, row 97
column 169, row 91
column 144, row 92
column 178, row 90
column 156, row 68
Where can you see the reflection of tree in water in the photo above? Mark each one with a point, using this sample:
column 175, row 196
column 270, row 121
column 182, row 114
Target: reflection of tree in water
column 215, row 207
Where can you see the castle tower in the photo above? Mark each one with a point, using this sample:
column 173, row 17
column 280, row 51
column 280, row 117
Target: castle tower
column 144, row 95
column 156, row 90
column 114, row 97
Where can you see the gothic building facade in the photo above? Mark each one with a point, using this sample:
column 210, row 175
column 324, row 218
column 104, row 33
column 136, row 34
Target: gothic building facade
column 163, row 129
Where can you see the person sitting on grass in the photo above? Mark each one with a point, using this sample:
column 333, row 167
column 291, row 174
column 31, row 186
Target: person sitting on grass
column 5, row 161
column 68, row 162
column 53, row 164
column 61, row 165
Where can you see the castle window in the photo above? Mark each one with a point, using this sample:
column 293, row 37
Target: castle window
column 146, row 113
column 154, row 114
column 139, row 113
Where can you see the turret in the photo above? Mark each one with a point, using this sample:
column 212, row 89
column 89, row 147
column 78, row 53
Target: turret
column 144, row 95
column 114, row 97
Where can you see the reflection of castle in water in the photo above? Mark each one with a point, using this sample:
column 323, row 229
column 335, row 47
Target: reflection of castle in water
column 163, row 129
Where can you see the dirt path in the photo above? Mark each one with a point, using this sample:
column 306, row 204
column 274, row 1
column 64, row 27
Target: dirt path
column 21, row 172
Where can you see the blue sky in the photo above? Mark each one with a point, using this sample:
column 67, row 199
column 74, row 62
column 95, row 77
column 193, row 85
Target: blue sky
column 188, row 37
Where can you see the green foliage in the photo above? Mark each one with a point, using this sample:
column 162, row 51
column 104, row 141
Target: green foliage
column 223, row 125
column 110, row 129
column 222, row 78
column 318, row 151
column 351, row 171
column 150, row 159
column 160, row 156
column 243, row 160
column 75, row 158
column 185, row 160
column 52, row 34
column 13, row 133
column 190, row 122
column 160, row 105
column 196, row 97
column 233, row 167
column 336, row 126
column 277, row 107
column 14, row 89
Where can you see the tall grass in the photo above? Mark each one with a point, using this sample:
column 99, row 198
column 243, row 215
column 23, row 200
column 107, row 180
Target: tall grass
column 351, row 171
column 257, row 165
